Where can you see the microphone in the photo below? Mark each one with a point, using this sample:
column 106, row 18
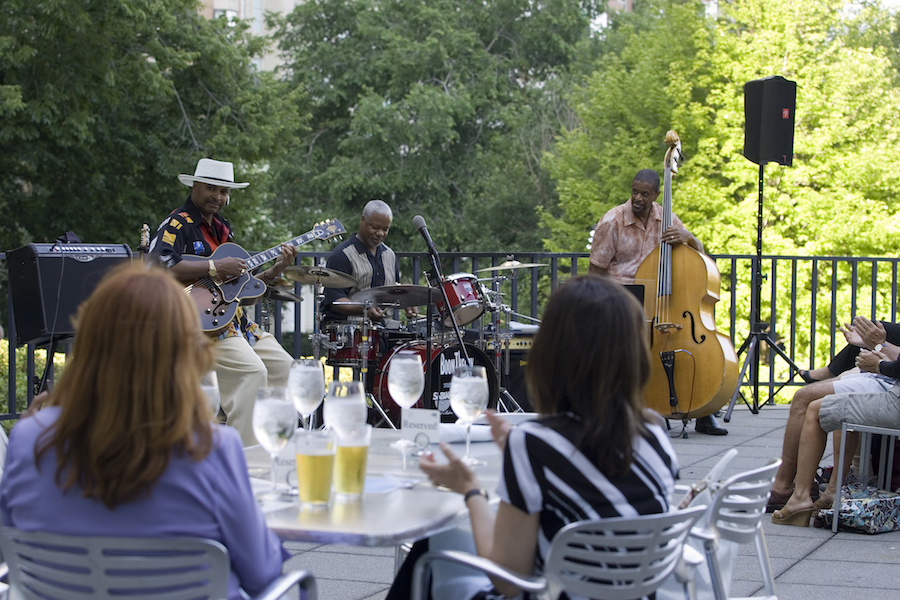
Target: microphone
column 419, row 223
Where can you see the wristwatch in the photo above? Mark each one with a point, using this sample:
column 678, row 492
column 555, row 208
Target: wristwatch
column 475, row 492
column 878, row 347
column 212, row 268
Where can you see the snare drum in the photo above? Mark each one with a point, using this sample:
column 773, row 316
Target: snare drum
column 465, row 295
column 347, row 338
column 444, row 359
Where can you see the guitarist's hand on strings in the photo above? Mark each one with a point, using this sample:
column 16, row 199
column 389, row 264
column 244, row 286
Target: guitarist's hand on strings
column 230, row 267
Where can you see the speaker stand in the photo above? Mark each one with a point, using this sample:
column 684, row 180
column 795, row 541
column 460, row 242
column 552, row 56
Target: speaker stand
column 42, row 383
column 757, row 327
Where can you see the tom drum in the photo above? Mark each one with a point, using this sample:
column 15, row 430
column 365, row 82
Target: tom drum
column 465, row 295
column 346, row 336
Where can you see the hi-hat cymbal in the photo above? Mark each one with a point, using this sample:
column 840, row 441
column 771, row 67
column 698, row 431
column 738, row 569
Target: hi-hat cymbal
column 401, row 296
column 279, row 293
column 510, row 264
column 318, row 276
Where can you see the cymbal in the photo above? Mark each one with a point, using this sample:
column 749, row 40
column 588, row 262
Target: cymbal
column 279, row 293
column 510, row 264
column 401, row 296
column 318, row 276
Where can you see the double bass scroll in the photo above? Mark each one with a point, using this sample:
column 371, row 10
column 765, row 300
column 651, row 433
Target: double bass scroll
column 693, row 367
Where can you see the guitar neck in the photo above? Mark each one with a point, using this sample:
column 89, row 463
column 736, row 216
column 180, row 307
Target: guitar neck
column 273, row 252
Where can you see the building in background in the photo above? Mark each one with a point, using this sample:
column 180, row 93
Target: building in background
column 254, row 12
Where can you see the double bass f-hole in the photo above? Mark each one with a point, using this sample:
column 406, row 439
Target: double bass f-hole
column 690, row 315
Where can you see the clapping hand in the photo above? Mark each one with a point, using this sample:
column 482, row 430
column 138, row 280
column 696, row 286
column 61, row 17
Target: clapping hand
column 871, row 332
column 868, row 361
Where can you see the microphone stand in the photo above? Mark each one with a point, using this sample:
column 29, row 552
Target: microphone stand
column 436, row 270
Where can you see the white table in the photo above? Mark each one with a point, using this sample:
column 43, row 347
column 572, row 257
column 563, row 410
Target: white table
column 382, row 519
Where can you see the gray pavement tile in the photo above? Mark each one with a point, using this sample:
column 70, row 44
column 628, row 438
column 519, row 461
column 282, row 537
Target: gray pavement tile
column 863, row 548
column 791, row 591
column 862, row 577
column 333, row 589
column 345, row 567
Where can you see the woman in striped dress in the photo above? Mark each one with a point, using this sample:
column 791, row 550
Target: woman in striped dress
column 594, row 453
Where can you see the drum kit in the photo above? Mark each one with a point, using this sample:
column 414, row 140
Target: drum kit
column 460, row 300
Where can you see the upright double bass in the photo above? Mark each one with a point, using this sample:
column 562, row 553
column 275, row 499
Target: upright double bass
column 693, row 368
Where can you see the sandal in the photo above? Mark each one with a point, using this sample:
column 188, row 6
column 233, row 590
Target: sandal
column 799, row 518
column 805, row 376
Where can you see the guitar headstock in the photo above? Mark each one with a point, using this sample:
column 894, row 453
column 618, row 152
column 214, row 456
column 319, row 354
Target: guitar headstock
column 328, row 229
column 674, row 155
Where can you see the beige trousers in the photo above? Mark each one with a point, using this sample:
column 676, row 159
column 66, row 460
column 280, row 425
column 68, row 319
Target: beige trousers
column 242, row 369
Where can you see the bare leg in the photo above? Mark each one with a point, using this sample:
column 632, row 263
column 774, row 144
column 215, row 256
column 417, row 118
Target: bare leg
column 784, row 478
column 827, row 497
column 813, row 439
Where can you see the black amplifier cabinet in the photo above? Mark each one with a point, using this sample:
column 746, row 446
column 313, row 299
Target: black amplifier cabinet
column 48, row 282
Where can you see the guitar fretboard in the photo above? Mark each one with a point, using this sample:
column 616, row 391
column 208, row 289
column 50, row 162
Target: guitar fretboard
column 272, row 253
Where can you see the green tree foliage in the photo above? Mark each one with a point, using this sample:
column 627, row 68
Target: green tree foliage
column 670, row 66
column 104, row 102
column 441, row 108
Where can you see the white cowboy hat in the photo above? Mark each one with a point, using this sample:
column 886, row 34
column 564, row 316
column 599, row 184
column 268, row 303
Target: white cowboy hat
column 215, row 172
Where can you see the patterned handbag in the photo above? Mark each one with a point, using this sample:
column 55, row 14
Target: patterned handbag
column 864, row 509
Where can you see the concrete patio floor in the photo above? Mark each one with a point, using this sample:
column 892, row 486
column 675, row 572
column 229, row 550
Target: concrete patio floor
column 808, row 563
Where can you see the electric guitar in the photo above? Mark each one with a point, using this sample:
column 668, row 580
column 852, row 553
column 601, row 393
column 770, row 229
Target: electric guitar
column 217, row 300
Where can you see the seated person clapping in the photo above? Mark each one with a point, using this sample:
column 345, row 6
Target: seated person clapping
column 124, row 445
column 876, row 408
column 594, row 452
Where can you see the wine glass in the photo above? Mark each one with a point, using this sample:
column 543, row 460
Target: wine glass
column 406, row 381
column 345, row 406
column 209, row 383
column 306, row 386
column 274, row 423
column 468, row 399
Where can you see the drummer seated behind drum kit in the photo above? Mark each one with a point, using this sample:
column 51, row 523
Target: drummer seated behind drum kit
column 368, row 347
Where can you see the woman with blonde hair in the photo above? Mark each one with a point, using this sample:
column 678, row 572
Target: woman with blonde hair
column 594, row 453
column 124, row 445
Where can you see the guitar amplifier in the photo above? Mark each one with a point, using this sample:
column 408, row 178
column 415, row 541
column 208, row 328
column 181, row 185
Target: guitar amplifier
column 48, row 282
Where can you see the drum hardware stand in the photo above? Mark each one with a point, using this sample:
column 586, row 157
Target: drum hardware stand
column 499, row 336
column 364, row 367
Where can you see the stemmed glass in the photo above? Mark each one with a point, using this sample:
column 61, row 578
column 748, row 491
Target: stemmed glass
column 406, row 380
column 209, row 383
column 345, row 406
column 468, row 399
column 274, row 423
column 306, row 386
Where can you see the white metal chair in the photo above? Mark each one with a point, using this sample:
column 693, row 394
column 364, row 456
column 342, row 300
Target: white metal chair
column 47, row 566
column 735, row 514
column 883, row 478
column 608, row 559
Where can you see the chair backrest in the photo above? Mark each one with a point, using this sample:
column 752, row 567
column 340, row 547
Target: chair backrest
column 620, row 558
column 49, row 566
column 740, row 503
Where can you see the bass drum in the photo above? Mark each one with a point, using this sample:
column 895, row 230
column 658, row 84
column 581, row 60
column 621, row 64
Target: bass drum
column 444, row 359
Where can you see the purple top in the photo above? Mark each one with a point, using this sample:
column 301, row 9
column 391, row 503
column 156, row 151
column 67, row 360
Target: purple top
column 209, row 499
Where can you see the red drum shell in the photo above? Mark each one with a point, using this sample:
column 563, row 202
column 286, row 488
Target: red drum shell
column 465, row 295
column 444, row 359
column 349, row 335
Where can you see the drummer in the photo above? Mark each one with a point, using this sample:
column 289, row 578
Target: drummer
column 371, row 263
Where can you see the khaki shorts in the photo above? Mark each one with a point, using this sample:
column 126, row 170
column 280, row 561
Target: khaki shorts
column 880, row 409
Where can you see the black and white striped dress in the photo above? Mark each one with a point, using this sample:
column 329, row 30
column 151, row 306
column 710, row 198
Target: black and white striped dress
column 543, row 472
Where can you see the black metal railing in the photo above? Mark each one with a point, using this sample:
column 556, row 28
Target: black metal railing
column 804, row 300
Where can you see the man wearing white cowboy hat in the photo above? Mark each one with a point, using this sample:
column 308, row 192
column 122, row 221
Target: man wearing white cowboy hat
column 247, row 358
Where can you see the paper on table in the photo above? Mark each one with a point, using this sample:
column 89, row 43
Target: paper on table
column 454, row 432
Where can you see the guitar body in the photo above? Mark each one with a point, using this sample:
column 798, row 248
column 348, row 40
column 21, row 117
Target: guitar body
column 217, row 300
column 703, row 364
